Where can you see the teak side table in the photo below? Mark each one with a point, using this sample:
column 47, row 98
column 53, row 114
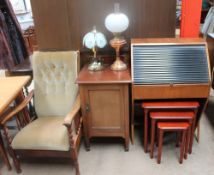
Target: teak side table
column 105, row 103
column 11, row 88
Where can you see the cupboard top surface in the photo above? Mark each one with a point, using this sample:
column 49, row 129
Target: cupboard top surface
column 105, row 76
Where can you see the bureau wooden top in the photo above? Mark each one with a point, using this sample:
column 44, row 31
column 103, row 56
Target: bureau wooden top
column 106, row 76
column 168, row 41
column 10, row 88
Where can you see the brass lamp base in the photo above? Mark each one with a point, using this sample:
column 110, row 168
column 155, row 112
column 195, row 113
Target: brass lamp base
column 118, row 64
column 95, row 65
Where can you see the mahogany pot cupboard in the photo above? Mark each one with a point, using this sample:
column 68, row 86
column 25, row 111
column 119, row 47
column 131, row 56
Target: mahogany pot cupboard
column 105, row 103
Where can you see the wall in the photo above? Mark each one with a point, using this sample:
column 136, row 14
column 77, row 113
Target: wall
column 61, row 24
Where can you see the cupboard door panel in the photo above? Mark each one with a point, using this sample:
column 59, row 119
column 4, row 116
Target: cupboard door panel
column 105, row 109
column 106, row 114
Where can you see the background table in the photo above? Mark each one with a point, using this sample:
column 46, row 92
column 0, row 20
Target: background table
column 10, row 88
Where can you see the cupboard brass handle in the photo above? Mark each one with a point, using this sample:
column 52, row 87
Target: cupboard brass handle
column 87, row 109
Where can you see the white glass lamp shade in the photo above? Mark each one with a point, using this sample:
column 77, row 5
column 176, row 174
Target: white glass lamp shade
column 89, row 40
column 116, row 22
column 100, row 40
column 94, row 39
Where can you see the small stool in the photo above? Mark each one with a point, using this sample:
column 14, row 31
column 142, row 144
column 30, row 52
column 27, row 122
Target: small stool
column 163, row 106
column 170, row 116
column 173, row 126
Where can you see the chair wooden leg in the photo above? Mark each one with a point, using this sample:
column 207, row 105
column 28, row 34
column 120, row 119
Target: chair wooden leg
column 152, row 138
column 4, row 154
column 76, row 164
column 157, row 137
column 5, row 158
column 160, row 143
column 73, row 149
column 188, row 135
column 15, row 160
column 182, row 146
column 11, row 151
column 192, row 136
column 198, row 132
column 74, row 157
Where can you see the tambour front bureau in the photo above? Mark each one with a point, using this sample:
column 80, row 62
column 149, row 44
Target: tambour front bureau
column 170, row 69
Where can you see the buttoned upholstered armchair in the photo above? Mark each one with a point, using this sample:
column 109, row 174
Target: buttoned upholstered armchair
column 56, row 132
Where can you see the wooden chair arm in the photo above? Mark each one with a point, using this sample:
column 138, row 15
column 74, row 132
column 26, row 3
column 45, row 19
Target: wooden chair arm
column 71, row 115
column 18, row 108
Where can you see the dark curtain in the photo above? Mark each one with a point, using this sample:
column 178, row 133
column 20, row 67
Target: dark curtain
column 13, row 49
column 6, row 58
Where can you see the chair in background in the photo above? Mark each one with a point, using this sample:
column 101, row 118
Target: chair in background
column 57, row 130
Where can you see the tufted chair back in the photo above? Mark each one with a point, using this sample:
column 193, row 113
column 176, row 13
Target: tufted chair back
column 54, row 82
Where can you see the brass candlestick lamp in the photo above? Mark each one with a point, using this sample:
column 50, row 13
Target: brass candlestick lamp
column 117, row 23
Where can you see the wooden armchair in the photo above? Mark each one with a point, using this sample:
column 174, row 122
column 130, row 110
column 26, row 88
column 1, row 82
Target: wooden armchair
column 57, row 130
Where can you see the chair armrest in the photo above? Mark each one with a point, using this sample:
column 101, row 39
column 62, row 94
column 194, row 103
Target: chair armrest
column 18, row 108
column 71, row 115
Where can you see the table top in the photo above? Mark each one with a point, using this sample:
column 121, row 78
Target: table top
column 10, row 88
column 105, row 76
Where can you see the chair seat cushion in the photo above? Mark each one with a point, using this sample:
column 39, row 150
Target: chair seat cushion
column 45, row 133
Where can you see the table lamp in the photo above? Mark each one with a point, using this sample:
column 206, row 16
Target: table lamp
column 94, row 40
column 117, row 23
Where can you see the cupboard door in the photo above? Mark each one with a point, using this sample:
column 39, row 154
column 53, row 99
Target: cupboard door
column 106, row 114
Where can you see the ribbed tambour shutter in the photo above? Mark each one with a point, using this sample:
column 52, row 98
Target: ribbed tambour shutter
column 173, row 64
